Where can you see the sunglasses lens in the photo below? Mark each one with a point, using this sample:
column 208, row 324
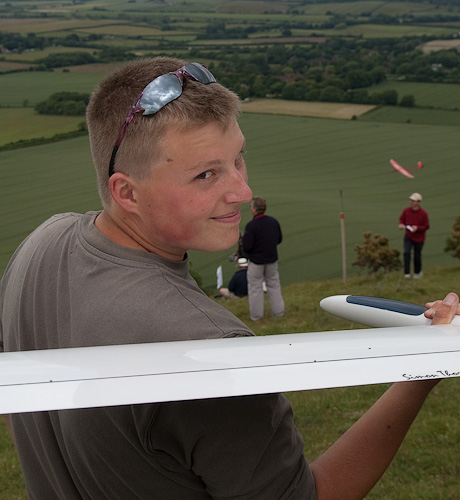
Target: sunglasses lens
column 160, row 92
column 200, row 73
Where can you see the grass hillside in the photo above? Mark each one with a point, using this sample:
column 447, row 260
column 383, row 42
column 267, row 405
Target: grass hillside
column 427, row 465
column 414, row 116
column 300, row 165
column 25, row 123
column 37, row 86
column 427, row 95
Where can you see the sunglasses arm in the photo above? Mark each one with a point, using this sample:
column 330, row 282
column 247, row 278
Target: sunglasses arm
column 134, row 109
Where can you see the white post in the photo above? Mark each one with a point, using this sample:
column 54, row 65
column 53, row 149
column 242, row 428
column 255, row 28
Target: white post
column 344, row 249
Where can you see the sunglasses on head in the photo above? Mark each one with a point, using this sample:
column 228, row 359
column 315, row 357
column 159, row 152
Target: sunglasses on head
column 160, row 92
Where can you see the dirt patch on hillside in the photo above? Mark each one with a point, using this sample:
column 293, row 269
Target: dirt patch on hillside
column 312, row 109
column 291, row 39
column 436, row 45
column 39, row 25
column 10, row 66
column 252, row 7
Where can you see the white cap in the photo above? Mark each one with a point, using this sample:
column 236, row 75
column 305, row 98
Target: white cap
column 415, row 197
column 242, row 262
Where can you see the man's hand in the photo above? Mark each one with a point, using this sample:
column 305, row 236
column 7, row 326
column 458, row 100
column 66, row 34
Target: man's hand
column 442, row 312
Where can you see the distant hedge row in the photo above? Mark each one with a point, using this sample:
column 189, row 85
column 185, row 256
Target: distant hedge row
column 25, row 143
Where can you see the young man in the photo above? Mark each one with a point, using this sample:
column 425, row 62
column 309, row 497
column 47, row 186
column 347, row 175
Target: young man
column 260, row 240
column 170, row 180
column 414, row 221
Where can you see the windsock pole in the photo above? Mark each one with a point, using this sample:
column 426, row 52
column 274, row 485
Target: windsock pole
column 344, row 249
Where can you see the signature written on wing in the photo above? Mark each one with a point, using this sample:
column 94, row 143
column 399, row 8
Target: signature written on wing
column 437, row 374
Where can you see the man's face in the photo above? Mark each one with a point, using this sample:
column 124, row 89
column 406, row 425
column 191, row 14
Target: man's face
column 193, row 196
column 415, row 205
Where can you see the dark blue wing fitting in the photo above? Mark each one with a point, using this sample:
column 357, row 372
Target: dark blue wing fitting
column 387, row 304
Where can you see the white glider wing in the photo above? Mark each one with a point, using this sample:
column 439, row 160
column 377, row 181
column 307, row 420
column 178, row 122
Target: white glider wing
column 170, row 371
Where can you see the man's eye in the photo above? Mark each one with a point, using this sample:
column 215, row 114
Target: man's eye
column 204, row 175
column 239, row 160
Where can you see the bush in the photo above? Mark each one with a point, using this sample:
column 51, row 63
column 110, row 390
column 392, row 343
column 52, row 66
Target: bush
column 64, row 103
column 376, row 254
column 61, row 59
column 453, row 242
column 407, row 101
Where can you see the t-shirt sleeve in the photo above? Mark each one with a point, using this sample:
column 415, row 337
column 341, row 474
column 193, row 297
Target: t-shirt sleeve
column 244, row 448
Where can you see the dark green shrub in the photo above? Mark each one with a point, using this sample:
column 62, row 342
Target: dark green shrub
column 453, row 242
column 375, row 254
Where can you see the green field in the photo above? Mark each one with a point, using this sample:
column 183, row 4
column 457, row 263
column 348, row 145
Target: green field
column 25, row 123
column 36, row 86
column 41, row 180
column 300, row 165
column 45, row 25
column 187, row 19
column 32, row 56
column 388, row 31
column 375, row 7
column 427, row 95
column 395, row 114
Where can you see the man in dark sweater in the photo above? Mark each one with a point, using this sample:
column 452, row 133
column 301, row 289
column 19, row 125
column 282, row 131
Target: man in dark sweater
column 260, row 239
column 415, row 222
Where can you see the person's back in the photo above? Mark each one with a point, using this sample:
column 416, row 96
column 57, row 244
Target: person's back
column 239, row 283
column 261, row 238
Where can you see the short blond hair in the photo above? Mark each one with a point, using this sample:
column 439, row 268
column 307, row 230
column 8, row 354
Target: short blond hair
column 112, row 99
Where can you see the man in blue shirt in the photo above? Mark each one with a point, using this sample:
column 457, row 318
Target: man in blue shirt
column 238, row 286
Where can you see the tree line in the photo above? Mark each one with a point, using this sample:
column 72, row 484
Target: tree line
column 332, row 71
column 327, row 70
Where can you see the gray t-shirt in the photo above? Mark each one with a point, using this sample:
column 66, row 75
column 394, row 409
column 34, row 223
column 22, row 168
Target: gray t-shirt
column 68, row 285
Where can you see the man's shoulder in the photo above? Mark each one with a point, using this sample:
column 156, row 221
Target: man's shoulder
column 58, row 222
column 272, row 222
column 264, row 219
column 46, row 234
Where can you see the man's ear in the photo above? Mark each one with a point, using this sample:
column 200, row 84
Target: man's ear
column 123, row 192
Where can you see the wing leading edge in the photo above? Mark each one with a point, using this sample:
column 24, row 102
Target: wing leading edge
column 171, row 371
column 400, row 169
